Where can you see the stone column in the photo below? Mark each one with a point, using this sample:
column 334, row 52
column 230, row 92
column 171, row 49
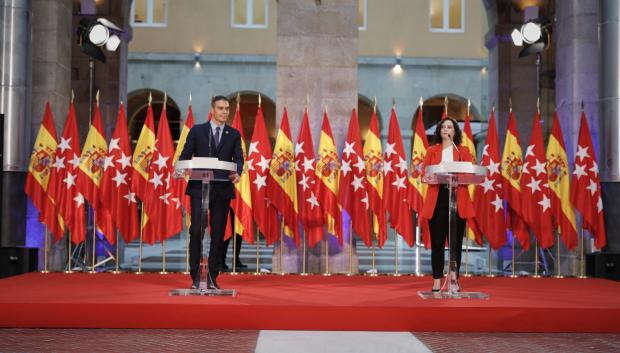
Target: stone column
column 317, row 57
column 51, row 81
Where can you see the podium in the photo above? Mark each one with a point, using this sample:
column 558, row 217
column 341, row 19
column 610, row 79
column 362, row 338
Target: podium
column 202, row 168
column 453, row 174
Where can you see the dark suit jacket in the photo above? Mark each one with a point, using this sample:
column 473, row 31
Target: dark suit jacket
column 229, row 150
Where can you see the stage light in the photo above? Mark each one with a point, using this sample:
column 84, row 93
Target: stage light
column 94, row 34
column 197, row 60
column 397, row 66
column 534, row 36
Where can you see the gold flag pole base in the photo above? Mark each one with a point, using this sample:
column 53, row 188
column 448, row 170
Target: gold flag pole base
column 115, row 272
column 558, row 276
column 68, row 272
column 582, row 277
column 44, row 271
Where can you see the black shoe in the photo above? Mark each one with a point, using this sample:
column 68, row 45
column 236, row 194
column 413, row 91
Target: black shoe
column 240, row 264
column 211, row 281
column 195, row 280
column 224, row 267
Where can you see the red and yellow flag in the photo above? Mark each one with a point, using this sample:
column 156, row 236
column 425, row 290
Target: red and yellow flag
column 180, row 184
column 511, row 167
column 142, row 155
column 327, row 171
column 242, row 203
column 467, row 141
column 282, row 182
column 374, row 175
column 90, row 174
column 39, row 170
column 417, row 189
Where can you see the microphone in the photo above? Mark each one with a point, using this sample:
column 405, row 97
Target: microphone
column 457, row 149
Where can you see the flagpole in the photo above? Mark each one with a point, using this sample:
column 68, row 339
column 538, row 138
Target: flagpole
column 326, row 255
column 281, row 245
column 163, row 251
column 303, row 260
column 395, row 255
column 374, row 270
column 141, row 231
column 513, row 275
column 350, row 249
column 92, row 270
column 558, row 271
column 536, row 261
column 582, row 265
column 257, row 273
column 187, row 221
column 466, row 257
column 234, row 260
column 68, row 270
column 490, row 274
column 116, row 270
column 45, row 250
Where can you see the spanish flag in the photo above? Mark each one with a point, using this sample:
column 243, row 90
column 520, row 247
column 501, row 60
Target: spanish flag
column 417, row 191
column 468, row 141
column 282, row 189
column 39, row 169
column 242, row 203
column 373, row 156
column 328, row 172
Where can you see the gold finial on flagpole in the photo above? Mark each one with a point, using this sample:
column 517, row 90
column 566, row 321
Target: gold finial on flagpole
column 393, row 102
column 260, row 99
column 238, row 100
column 190, row 98
column 97, row 98
column 538, row 105
column 325, row 109
column 307, row 101
column 374, row 104
column 582, row 105
column 468, row 105
column 445, row 105
column 421, row 102
column 493, row 108
column 72, row 96
column 165, row 99
column 150, row 98
column 510, row 104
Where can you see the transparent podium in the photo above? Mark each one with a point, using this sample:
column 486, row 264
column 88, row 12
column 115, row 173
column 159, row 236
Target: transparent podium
column 201, row 168
column 453, row 174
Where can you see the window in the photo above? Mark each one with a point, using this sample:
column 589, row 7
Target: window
column 249, row 13
column 362, row 17
column 149, row 13
column 447, row 16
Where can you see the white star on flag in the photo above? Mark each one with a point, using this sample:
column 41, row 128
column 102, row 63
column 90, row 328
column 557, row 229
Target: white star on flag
column 365, row 200
column 250, row 165
column 161, row 161
column 312, row 200
column 308, row 164
column 131, row 197
column 387, row 167
column 485, row 151
column 64, row 144
column 529, row 151
column 346, row 167
column 360, row 165
column 108, row 161
column 164, row 197
column 599, row 204
column 299, row 148
column 534, row 185
column 253, row 147
column 264, row 163
column 402, row 164
column 260, row 181
column 75, row 161
column 498, row 203
column 579, row 170
column 487, row 185
column 389, row 149
column 125, row 161
column 592, row 187
column 525, row 167
column 493, row 167
column 119, row 178
column 348, row 148
column 594, row 168
column 177, row 202
column 399, row 183
column 304, row 182
column 539, row 168
column 113, row 145
column 69, row 180
column 79, row 199
column 545, row 203
column 582, row 152
column 357, row 182
column 156, row 180
column 59, row 163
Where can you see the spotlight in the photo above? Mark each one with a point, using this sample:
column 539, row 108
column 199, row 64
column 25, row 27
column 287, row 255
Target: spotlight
column 534, row 36
column 94, row 34
column 197, row 60
column 397, row 66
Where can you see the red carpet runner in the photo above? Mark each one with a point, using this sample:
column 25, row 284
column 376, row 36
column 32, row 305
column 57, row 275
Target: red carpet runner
column 309, row 303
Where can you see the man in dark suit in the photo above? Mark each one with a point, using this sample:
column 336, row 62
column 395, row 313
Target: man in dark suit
column 212, row 139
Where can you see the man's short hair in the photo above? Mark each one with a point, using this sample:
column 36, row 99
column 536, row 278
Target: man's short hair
column 218, row 98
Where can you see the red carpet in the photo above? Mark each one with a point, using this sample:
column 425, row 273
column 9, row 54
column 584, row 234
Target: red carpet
column 309, row 303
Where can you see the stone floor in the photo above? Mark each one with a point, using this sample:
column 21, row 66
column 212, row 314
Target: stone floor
column 121, row 340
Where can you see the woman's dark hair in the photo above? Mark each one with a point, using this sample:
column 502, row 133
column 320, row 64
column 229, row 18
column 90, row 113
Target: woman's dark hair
column 457, row 131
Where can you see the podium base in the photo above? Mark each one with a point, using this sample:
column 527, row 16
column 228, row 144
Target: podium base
column 203, row 292
column 455, row 295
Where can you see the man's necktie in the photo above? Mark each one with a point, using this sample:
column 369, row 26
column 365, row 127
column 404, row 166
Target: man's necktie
column 217, row 136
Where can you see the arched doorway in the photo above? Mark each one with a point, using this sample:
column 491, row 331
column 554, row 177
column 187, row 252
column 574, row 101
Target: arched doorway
column 364, row 113
column 457, row 109
column 248, row 106
column 137, row 104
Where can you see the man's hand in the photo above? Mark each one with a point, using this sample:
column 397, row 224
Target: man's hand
column 234, row 177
